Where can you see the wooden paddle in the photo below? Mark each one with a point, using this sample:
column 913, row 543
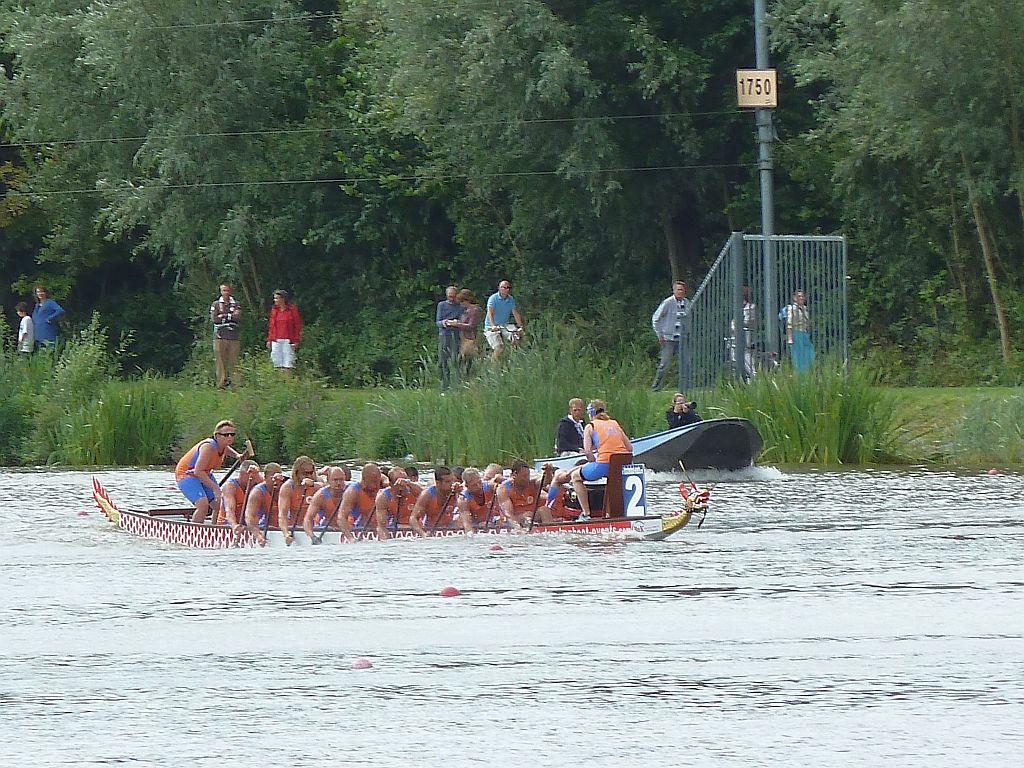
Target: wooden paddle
column 270, row 508
column 249, row 451
column 320, row 539
column 303, row 501
column 536, row 499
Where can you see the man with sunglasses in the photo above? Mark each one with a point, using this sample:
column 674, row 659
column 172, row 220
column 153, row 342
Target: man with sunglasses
column 194, row 473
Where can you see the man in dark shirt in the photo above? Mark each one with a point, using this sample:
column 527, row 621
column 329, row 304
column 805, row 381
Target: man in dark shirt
column 682, row 412
column 569, row 437
column 225, row 314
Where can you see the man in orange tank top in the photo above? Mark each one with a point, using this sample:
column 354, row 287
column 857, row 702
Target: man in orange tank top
column 360, row 500
column 518, row 496
column 435, row 503
column 602, row 439
column 194, row 472
column 395, row 502
column 233, row 500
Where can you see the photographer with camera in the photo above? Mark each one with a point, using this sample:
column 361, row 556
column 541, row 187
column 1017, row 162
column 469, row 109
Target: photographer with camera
column 682, row 412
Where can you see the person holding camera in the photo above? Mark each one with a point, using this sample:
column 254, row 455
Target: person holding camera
column 682, row 412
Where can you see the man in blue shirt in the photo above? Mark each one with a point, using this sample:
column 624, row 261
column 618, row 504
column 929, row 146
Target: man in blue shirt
column 44, row 317
column 500, row 307
column 449, row 312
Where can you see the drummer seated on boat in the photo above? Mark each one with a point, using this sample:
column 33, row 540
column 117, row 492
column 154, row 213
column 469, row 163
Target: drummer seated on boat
column 395, row 502
column 602, row 439
column 194, row 472
column 294, row 495
column 517, row 496
column 323, row 508
column 360, row 501
column 234, row 491
column 475, row 503
column 261, row 501
column 433, row 508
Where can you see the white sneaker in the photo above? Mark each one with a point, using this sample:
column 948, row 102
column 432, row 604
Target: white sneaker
column 583, row 517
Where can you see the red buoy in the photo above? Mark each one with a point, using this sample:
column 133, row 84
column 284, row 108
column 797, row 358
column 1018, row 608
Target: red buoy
column 993, row 471
column 497, row 548
column 449, row 591
column 83, row 512
column 362, row 663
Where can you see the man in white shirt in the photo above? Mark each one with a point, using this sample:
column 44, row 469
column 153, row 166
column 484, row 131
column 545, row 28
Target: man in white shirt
column 671, row 324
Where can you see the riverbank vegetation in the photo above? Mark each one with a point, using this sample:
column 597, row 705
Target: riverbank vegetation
column 69, row 409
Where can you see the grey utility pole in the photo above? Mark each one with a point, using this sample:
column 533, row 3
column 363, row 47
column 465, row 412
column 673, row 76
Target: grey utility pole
column 765, row 167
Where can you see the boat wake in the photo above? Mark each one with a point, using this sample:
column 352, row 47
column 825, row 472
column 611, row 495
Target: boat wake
column 703, row 476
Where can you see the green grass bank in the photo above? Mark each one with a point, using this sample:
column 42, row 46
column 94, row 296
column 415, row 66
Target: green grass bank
column 72, row 410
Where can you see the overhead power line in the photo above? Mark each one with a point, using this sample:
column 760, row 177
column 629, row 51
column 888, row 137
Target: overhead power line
column 143, row 186
column 294, row 131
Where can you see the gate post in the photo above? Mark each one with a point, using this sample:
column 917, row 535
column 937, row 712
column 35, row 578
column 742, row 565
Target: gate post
column 739, row 333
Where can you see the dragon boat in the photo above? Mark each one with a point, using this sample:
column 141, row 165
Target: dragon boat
column 622, row 515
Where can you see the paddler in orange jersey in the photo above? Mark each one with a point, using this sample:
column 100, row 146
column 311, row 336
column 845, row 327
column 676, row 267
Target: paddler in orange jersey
column 602, row 439
column 194, row 473
column 395, row 502
column 476, row 501
column 360, row 501
column 233, row 494
column 326, row 502
column 435, row 503
column 294, row 495
column 517, row 496
column 260, row 504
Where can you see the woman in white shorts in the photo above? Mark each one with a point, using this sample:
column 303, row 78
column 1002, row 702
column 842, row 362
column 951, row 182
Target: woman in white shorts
column 283, row 332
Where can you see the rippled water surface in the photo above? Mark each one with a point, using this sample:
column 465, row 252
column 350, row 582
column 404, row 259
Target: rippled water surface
column 855, row 618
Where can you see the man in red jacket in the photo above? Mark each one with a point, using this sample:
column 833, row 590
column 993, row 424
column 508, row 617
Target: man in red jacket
column 284, row 332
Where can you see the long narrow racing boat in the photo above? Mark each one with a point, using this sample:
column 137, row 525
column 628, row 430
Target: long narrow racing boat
column 174, row 526
column 710, row 444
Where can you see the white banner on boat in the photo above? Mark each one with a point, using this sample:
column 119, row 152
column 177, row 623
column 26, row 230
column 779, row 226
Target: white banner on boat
column 634, row 490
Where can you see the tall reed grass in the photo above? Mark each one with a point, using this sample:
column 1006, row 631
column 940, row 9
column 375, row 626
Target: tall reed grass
column 830, row 417
column 509, row 410
column 986, row 432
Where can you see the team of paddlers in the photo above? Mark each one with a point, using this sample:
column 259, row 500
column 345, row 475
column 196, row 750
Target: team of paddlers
column 316, row 500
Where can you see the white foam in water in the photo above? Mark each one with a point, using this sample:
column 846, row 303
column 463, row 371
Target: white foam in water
column 745, row 475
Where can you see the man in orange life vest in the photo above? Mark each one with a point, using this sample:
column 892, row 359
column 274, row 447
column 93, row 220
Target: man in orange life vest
column 602, row 439
column 194, row 473
column 517, row 496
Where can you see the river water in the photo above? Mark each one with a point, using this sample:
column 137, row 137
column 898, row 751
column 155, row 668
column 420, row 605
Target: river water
column 817, row 618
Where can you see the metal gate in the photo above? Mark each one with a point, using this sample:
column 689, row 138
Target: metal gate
column 814, row 263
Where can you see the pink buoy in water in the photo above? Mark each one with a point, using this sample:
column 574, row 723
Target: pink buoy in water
column 497, row 548
column 993, row 471
column 449, row 591
column 362, row 663
column 83, row 512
